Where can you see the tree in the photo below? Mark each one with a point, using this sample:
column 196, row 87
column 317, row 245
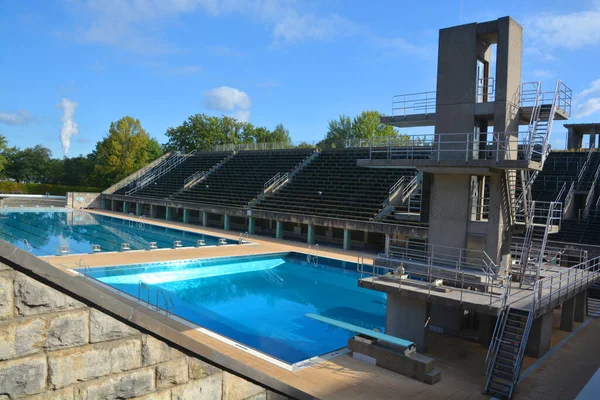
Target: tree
column 364, row 126
column 126, row 149
column 79, row 171
column 3, row 153
column 203, row 132
column 28, row 165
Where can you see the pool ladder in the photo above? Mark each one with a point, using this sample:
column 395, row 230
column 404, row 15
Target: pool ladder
column 85, row 269
column 169, row 305
column 243, row 238
column 313, row 254
column 27, row 246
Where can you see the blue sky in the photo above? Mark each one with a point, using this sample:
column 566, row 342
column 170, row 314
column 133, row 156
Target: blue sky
column 294, row 62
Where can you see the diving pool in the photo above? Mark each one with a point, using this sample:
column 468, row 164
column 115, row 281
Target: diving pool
column 260, row 302
column 44, row 231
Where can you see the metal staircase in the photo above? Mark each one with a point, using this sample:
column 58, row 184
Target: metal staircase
column 508, row 348
column 200, row 176
column 160, row 170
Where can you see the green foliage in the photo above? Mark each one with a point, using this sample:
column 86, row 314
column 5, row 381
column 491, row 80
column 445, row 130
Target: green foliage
column 126, row 149
column 43, row 188
column 203, row 132
column 3, row 153
column 364, row 126
column 28, row 165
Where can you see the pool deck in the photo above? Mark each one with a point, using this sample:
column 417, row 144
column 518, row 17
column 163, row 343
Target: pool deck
column 344, row 378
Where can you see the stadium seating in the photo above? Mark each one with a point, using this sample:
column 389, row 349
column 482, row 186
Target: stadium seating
column 173, row 180
column 333, row 185
column 240, row 180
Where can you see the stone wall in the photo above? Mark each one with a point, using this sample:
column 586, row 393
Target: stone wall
column 78, row 200
column 55, row 347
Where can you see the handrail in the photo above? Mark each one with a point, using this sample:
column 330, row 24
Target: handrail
column 585, row 164
column 569, row 198
column 270, row 181
column 414, row 103
column 396, row 185
column 159, row 171
column 498, row 330
column 410, row 186
column 591, row 194
column 193, row 177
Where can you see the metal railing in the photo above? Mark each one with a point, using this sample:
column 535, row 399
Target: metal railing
column 312, row 254
column 85, row 269
column 168, row 302
column 413, row 103
column 490, row 358
column 454, row 257
column 452, row 146
column 193, row 178
column 583, row 169
column 485, row 91
column 159, row 171
column 425, row 268
column 590, row 196
column 270, row 182
column 569, row 198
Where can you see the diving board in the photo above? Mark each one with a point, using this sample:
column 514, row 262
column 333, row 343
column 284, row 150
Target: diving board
column 363, row 331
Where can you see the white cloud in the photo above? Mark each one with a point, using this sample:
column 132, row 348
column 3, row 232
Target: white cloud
column 135, row 25
column 18, row 117
column 69, row 127
column 542, row 74
column 227, row 99
column 587, row 102
column 569, row 31
column 588, row 107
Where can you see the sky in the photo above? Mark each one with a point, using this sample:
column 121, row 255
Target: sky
column 70, row 67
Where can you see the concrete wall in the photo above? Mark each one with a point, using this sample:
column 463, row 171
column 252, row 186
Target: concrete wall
column 53, row 346
column 78, row 200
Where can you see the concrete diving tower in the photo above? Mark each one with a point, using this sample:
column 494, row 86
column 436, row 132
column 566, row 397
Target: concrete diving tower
column 477, row 170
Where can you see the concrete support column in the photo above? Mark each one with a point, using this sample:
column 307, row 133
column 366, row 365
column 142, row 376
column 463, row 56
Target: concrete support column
column 152, row 211
column 279, row 230
column 169, row 214
column 186, row 216
column 138, row 209
column 538, row 342
column 125, row 207
column 347, row 239
column 311, row 235
column 226, row 222
column 581, row 306
column 387, row 243
column 103, row 204
column 251, row 225
column 406, row 318
column 567, row 315
column 204, row 218
column 113, row 206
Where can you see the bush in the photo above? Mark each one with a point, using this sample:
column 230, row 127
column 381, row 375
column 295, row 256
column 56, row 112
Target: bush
column 43, row 188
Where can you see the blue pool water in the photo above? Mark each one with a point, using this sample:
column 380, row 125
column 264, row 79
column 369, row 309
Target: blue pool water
column 260, row 301
column 46, row 231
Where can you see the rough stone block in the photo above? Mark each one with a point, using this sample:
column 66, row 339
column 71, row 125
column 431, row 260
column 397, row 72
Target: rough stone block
column 104, row 327
column 199, row 369
column 7, row 303
column 68, row 330
column 4, row 267
column 92, row 361
column 33, row 298
column 162, row 395
column 61, row 394
column 260, row 396
column 172, row 373
column 235, row 388
column 121, row 386
column 208, row 388
column 22, row 337
column 23, row 376
column 154, row 351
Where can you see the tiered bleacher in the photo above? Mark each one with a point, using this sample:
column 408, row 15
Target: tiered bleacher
column 333, row 185
column 240, row 180
column 560, row 167
column 173, row 180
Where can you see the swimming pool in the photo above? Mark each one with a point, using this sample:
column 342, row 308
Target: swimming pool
column 45, row 231
column 259, row 301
